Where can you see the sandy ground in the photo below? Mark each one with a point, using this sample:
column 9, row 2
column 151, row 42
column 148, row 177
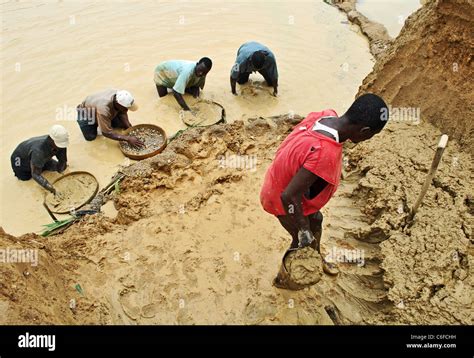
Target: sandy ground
column 144, row 267
column 188, row 243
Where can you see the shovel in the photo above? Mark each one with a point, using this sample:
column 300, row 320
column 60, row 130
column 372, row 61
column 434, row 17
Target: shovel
column 434, row 166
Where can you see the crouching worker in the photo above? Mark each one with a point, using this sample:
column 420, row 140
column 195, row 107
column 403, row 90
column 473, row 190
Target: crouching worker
column 35, row 155
column 107, row 110
column 252, row 57
column 307, row 167
column 182, row 77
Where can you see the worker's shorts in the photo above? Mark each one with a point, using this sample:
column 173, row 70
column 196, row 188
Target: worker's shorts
column 89, row 126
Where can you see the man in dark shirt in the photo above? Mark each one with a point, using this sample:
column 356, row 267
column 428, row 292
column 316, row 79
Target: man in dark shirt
column 34, row 155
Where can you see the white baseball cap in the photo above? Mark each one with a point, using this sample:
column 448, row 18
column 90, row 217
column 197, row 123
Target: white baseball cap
column 125, row 98
column 59, row 135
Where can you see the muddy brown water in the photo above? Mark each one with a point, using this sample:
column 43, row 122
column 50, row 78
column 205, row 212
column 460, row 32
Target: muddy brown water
column 54, row 54
column 390, row 13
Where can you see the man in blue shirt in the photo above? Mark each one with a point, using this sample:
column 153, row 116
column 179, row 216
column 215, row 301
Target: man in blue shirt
column 251, row 57
column 182, row 77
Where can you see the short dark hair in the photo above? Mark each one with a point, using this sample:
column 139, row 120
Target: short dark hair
column 207, row 62
column 258, row 59
column 368, row 110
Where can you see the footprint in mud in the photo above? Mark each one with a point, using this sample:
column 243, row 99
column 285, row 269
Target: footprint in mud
column 129, row 306
column 359, row 290
column 246, row 261
column 184, row 317
column 258, row 310
column 149, row 310
column 134, row 307
column 189, row 267
column 220, row 268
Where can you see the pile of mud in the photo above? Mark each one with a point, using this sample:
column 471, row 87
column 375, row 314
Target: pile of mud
column 427, row 263
column 33, row 291
column 429, row 67
column 304, row 266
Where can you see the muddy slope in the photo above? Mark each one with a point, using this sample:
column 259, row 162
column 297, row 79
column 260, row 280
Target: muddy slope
column 430, row 66
column 30, row 293
column 428, row 264
column 190, row 243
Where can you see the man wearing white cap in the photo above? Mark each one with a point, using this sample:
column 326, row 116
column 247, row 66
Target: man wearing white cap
column 106, row 110
column 35, row 155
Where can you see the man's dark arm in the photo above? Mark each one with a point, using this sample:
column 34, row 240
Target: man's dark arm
column 62, row 159
column 274, row 73
column 194, row 91
column 41, row 180
column 232, row 85
column 179, row 98
column 292, row 198
column 202, row 82
column 115, row 136
column 124, row 119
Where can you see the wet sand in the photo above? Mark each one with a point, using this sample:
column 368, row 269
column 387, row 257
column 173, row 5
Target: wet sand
column 54, row 55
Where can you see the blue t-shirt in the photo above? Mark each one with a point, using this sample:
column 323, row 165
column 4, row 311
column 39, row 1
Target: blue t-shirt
column 243, row 62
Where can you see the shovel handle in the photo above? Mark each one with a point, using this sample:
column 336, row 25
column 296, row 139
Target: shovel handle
column 434, row 166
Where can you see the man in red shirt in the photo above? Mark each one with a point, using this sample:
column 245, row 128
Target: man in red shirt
column 307, row 167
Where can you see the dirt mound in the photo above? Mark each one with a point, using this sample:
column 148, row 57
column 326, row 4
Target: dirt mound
column 33, row 289
column 428, row 265
column 429, row 67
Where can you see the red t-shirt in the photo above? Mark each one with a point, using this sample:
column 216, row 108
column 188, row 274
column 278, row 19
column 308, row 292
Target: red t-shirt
column 306, row 148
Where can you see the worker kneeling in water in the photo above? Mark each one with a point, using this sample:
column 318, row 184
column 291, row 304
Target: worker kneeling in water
column 307, row 167
column 33, row 156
